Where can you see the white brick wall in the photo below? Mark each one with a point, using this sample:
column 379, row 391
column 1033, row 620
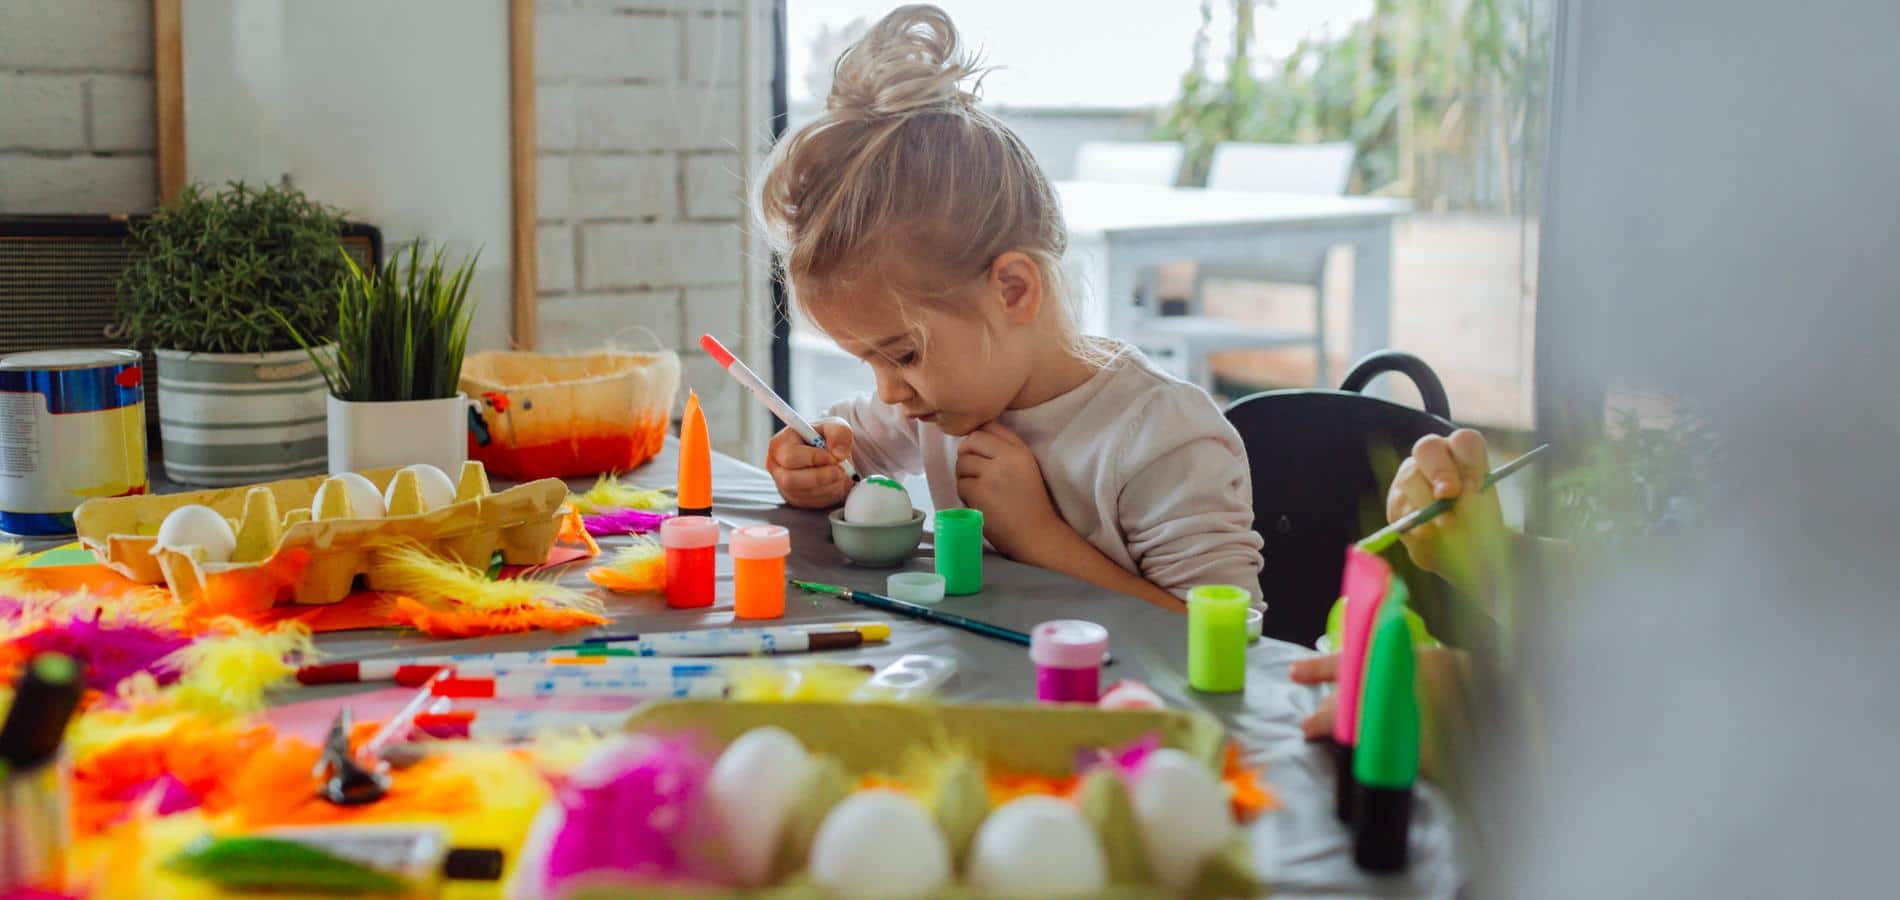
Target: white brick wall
column 76, row 106
column 640, row 200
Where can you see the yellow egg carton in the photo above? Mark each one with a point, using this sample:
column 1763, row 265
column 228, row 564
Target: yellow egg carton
column 272, row 518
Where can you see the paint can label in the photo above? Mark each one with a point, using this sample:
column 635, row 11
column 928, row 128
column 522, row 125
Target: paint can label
column 68, row 434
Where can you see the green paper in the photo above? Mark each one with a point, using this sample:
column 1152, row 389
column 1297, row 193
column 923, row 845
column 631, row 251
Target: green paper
column 1217, row 638
column 1111, row 812
column 963, row 802
column 1387, row 753
column 267, row 864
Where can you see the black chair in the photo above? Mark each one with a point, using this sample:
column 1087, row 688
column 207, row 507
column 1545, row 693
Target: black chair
column 1321, row 462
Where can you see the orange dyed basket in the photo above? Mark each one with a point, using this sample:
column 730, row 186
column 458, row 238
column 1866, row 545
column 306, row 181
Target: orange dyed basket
column 564, row 415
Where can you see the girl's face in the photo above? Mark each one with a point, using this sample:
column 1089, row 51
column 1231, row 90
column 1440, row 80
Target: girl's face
column 958, row 370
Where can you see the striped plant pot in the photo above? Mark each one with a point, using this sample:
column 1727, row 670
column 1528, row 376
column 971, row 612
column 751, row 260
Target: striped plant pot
column 240, row 418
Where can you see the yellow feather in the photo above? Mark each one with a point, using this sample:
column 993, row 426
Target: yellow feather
column 806, row 683
column 609, row 493
column 416, row 573
column 230, row 673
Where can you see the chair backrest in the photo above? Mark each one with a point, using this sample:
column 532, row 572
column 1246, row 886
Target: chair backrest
column 1282, row 168
column 1321, row 461
column 1155, row 163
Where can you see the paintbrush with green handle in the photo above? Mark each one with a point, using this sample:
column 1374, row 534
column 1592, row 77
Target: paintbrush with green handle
column 1379, row 541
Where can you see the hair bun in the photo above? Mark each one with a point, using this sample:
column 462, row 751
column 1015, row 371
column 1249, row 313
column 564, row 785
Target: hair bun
column 909, row 62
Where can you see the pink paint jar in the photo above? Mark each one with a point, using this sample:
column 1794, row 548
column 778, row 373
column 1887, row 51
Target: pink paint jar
column 1068, row 654
column 692, row 547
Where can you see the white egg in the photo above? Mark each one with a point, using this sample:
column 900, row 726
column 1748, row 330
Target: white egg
column 877, row 501
column 366, row 502
column 436, row 488
column 880, row 844
column 1035, row 847
column 751, row 790
column 198, row 526
column 1184, row 815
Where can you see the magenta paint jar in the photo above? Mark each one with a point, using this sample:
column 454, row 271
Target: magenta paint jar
column 1068, row 654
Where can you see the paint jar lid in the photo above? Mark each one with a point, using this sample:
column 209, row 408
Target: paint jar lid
column 1219, row 597
column 959, row 520
column 1068, row 644
column 76, row 358
column 915, row 587
column 689, row 532
column 760, row 542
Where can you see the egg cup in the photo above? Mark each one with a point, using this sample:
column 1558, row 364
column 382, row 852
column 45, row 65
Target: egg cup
column 877, row 546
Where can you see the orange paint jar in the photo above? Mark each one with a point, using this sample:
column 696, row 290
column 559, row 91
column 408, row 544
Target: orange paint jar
column 758, row 571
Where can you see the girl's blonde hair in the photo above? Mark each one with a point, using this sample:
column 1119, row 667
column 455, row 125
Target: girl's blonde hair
column 902, row 178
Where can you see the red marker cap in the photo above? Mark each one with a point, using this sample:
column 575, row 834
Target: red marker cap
column 719, row 352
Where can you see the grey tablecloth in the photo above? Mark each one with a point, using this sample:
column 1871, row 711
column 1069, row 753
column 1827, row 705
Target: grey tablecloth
column 1301, row 849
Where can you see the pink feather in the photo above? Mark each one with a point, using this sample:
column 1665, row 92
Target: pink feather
column 634, row 812
column 111, row 653
column 623, row 521
column 1125, row 760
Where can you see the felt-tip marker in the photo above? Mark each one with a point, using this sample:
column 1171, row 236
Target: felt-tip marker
column 784, row 411
column 631, row 688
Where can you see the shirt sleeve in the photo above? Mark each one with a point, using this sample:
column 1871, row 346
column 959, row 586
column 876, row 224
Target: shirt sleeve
column 1186, row 507
column 883, row 440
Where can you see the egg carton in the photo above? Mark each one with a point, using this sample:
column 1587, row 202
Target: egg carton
column 873, row 737
column 270, row 519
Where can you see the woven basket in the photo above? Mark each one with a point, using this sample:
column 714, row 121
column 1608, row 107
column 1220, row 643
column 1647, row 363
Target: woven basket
column 559, row 416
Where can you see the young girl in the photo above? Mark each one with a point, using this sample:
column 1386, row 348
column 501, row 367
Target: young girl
column 919, row 234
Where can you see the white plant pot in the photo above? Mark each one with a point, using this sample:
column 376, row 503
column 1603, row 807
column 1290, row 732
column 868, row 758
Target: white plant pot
column 399, row 433
column 240, row 418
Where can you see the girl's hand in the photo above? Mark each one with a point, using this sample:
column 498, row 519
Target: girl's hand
column 807, row 476
column 1455, row 543
column 997, row 474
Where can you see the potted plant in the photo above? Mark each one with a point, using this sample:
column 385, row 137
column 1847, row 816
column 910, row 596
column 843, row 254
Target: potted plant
column 216, row 286
column 395, row 369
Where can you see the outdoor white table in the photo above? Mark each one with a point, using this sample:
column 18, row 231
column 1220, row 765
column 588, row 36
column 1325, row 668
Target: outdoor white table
column 1119, row 231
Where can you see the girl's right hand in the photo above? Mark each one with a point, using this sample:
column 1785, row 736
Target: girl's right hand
column 807, row 476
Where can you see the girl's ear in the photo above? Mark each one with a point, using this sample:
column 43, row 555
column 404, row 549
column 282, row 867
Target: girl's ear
column 1017, row 282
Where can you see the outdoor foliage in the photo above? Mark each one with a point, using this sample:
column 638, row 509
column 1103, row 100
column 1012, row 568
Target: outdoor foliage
column 400, row 334
column 1442, row 98
column 234, row 271
column 1644, row 479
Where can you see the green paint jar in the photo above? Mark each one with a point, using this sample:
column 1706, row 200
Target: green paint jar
column 959, row 545
column 1217, row 638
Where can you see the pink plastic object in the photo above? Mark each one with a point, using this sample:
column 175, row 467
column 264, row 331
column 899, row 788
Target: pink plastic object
column 692, row 543
column 1363, row 586
column 1068, row 654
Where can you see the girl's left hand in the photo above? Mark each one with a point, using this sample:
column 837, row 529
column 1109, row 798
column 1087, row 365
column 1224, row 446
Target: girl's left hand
column 997, row 474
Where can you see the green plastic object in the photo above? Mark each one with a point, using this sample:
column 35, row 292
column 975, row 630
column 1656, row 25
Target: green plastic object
column 960, row 550
column 1336, row 626
column 266, row 864
column 1387, row 754
column 1217, row 638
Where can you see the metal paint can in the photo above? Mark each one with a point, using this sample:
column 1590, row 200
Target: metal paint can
column 72, row 428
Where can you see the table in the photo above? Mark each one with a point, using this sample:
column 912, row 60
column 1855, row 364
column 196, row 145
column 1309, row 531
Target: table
column 1119, row 231
column 1300, row 849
